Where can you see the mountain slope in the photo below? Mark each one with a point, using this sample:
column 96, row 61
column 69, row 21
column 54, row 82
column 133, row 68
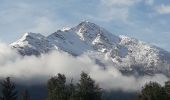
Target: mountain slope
column 129, row 55
column 32, row 44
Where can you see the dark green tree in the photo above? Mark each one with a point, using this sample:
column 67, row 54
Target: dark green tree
column 25, row 95
column 70, row 91
column 152, row 91
column 87, row 89
column 167, row 89
column 57, row 88
column 8, row 90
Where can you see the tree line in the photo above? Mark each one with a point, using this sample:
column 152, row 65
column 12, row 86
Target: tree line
column 58, row 89
column 154, row 91
column 85, row 89
column 9, row 92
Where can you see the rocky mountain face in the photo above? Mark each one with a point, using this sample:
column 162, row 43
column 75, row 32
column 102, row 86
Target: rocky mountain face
column 127, row 54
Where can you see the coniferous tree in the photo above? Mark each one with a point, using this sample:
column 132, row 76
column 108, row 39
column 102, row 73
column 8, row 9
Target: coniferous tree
column 87, row 89
column 25, row 95
column 167, row 89
column 152, row 91
column 8, row 90
column 57, row 88
column 70, row 91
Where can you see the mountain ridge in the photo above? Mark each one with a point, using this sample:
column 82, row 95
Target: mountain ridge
column 129, row 55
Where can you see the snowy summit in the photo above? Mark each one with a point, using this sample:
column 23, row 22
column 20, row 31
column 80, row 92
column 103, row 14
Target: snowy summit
column 129, row 55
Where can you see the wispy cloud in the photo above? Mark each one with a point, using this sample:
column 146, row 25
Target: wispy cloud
column 37, row 70
column 114, row 9
column 26, row 16
column 163, row 9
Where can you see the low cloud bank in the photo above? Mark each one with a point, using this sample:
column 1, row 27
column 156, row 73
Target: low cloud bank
column 37, row 70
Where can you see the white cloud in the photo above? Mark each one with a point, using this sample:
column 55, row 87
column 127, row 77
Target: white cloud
column 163, row 9
column 44, row 25
column 6, row 54
column 38, row 69
column 111, row 14
column 26, row 16
column 110, row 10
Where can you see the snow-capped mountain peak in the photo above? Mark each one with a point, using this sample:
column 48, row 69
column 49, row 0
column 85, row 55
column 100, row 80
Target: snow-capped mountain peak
column 31, row 43
column 127, row 54
column 29, row 35
column 89, row 31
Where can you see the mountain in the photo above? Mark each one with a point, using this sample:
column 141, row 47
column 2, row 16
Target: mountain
column 127, row 54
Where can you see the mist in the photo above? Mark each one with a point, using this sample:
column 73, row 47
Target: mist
column 37, row 70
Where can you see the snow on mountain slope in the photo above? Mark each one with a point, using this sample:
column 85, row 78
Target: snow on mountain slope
column 32, row 44
column 68, row 41
column 96, row 36
column 129, row 55
column 145, row 58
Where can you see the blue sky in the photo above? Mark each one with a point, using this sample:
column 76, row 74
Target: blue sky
column 147, row 20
